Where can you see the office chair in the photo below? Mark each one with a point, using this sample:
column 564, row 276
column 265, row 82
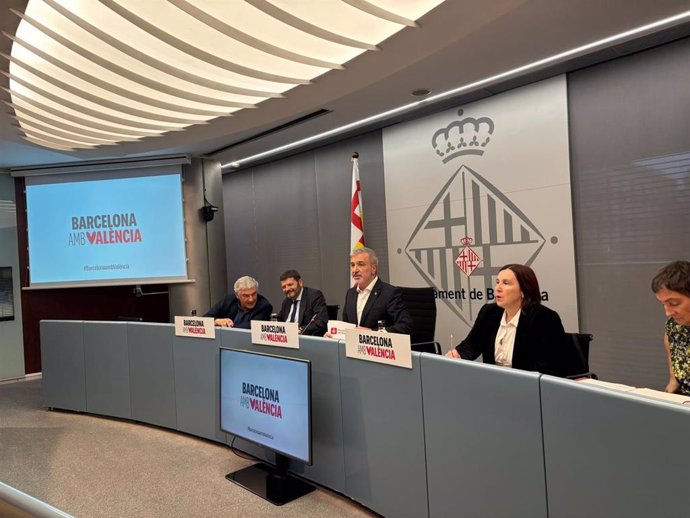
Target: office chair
column 125, row 318
column 421, row 304
column 427, row 347
column 332, row 310
column 577, row 355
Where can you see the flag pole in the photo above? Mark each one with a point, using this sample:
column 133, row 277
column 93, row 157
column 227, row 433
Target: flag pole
column 356, row 210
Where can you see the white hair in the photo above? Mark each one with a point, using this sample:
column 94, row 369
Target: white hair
column 246, row 283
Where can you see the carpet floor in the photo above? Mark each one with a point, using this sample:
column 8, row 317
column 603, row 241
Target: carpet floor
column 92, row 466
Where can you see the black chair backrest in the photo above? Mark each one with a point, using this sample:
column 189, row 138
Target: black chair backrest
column 421, row 304
column 124, row 318
column 332, row 311
column 427, row 347
column 577, row 353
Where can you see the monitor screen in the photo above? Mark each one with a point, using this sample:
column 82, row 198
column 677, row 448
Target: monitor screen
column 124, row 228
column 266, row 399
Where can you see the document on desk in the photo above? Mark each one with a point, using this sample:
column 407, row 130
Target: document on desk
column 337, row 328
column 663, row 396
column 607, row 385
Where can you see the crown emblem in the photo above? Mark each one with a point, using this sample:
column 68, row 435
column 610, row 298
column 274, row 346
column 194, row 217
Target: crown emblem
column 468, row 136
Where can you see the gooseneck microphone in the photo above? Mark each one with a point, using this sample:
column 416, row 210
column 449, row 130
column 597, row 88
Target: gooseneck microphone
column 308, row 323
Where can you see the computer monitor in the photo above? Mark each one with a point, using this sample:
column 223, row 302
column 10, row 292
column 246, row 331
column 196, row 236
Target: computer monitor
column 266, row 399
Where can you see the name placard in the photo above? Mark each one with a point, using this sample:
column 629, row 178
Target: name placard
column 376, row 346
column 278, row 334
column 195, row 327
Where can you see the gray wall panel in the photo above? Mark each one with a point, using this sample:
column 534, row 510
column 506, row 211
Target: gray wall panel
column 107, row 369
column 152, row 374
column 62, row 357
column 483, row 440
column 11, row 331
column 205, row 241
column 196, row 386
column 334, row 183
column 286, row 222
column 613, row 454
column 383, row 435
column 240, row 234
column 295, row 213
column 630, row 139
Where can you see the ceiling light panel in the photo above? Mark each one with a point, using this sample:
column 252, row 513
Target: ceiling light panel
column 100, row 24
column 277, row 34
column 344, row 19
column 91, row 73
column 99, row 74
column 187, row 34
column 60, row 124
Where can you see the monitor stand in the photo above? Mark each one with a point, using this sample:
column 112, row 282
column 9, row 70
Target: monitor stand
column 271, row 483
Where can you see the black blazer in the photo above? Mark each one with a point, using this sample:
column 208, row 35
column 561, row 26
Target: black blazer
column 229, row 306
column 384, row 303
column 311, row 303
column 540, row 340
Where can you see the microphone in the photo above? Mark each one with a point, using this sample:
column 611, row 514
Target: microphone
column 308, row 323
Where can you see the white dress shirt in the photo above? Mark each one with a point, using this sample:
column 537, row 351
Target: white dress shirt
column 505, row 340
column 363, row 296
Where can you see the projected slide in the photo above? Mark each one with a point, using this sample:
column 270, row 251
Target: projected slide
column 265, row 399
column 105, row 231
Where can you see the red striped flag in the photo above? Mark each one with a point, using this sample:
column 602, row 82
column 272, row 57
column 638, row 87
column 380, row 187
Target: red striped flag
column 356, row 212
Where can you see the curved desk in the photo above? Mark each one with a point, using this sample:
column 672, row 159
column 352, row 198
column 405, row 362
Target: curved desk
column 445, row 438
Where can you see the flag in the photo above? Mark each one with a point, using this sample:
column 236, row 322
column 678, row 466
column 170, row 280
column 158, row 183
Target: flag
column 356, row 212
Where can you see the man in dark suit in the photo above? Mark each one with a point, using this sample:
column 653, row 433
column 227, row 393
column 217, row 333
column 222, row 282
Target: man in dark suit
column 240, row 308
column 306, row 306
column 371, row 300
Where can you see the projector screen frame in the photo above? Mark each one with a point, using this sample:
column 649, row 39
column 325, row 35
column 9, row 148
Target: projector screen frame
column 180, row 218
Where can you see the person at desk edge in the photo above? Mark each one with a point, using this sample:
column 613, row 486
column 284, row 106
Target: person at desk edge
column 309, row 305
column 371, row 299
column 672, row 288
column 517, row 331
column 240, row 308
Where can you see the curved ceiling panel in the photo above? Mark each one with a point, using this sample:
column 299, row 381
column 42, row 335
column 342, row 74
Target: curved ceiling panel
column 90, row 73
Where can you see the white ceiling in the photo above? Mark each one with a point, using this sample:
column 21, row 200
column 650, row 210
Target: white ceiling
column 457, row 43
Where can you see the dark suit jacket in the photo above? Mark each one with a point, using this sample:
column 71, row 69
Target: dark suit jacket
column 311, row 303
column 229, row 306
column 384, row 303
column 540, row 341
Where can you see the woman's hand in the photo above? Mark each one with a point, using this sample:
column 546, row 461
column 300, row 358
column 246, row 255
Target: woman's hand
column 453, row 353
column 673, row 386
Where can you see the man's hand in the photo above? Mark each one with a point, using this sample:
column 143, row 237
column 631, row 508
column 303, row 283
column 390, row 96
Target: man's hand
column 453, row 353
column 223, row 322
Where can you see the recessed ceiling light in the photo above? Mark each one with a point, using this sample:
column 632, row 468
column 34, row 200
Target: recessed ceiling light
column 420, row 92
